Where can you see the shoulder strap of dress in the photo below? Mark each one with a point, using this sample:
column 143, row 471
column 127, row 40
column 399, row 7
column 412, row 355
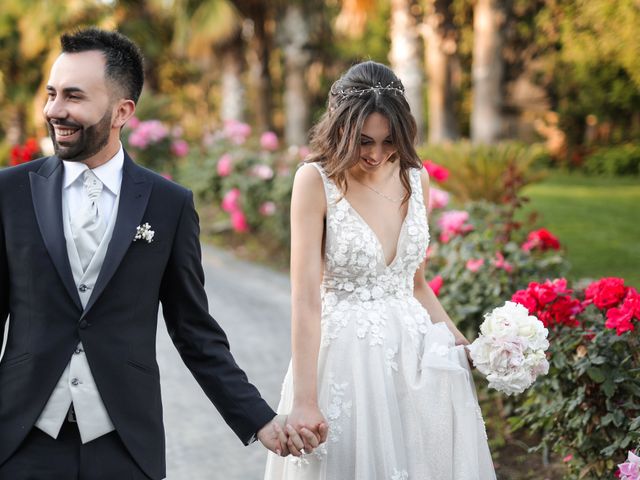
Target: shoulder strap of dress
column 330, row 188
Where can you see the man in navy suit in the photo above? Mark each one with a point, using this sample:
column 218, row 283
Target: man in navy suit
column 90, row 245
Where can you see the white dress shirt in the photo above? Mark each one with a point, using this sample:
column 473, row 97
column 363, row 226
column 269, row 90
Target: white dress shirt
column 76, row 384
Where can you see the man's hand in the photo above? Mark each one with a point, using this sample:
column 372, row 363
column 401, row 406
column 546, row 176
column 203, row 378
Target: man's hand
column 272, row 436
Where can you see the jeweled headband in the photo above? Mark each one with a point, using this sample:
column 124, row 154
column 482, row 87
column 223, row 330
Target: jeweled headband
column 394, row 87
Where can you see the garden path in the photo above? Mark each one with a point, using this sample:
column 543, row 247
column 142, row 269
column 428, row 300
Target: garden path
column 252, row 305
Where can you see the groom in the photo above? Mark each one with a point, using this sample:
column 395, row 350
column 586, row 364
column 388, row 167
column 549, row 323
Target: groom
column 90, row 244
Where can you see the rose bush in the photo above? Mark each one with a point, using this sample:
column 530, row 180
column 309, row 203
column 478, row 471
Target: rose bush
column 477, row 266
column 588, row 408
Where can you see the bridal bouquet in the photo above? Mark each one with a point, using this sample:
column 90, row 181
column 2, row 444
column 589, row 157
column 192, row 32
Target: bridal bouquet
column 510, row 349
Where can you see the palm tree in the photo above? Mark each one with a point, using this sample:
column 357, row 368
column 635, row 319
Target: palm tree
column 487, row 71
column 295, row 33
column 443, row 70
column 405, row 57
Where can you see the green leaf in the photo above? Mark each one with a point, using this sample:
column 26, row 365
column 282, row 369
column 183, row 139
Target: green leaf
column 596, row 374
column 635, row 425
column 609, row 388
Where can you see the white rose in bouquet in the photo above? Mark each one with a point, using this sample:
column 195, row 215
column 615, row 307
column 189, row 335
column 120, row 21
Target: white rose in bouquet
column 510, row 348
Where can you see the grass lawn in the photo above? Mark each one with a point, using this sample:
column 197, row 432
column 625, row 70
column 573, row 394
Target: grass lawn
column 597, row 221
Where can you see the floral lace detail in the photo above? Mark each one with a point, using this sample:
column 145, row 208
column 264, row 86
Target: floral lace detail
column 338, row 406
column 400, row 475
column 390, row 360
column 356, row 275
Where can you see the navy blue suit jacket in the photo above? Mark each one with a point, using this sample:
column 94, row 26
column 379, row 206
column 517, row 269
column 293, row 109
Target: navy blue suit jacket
column 118, row 326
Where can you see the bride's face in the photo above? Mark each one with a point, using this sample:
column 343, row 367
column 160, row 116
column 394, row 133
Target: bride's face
column 376, row 144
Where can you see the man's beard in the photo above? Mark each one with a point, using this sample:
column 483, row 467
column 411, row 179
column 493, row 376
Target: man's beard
column 92, row 139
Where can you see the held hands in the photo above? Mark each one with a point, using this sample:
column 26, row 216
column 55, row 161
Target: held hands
column 280, row 437
column 461, row 340
column 306, row 428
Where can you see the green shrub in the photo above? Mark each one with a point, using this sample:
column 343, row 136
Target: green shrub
column 616, row 160
column 478, row 172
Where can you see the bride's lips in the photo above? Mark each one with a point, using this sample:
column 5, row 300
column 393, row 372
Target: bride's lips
column 370, row 163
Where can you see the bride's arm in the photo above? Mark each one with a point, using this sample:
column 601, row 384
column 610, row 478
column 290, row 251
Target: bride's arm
column 423, row 292
column 308, row 208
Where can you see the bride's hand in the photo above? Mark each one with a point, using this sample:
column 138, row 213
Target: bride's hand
column 463, row 341
column 306, row 428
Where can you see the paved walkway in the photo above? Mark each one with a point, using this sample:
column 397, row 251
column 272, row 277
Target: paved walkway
column 252, row 305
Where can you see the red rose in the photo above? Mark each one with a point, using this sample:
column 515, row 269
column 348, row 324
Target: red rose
column 436, row 284
column 437, row 172
column 620, row 319
column 606, row 292
column 564, row 311
column 525, row 298
column 543, row 292
column 541, row 239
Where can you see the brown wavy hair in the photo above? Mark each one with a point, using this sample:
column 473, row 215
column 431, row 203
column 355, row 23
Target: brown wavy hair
column 366, row 88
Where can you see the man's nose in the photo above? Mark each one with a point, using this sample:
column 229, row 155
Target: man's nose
column 55, row 109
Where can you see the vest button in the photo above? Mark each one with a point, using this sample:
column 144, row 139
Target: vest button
column 83, row 324
column 83, row 288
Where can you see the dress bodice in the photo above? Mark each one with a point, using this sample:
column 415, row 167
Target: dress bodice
column 354, row 264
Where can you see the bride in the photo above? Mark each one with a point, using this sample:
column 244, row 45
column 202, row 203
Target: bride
column 375, row 356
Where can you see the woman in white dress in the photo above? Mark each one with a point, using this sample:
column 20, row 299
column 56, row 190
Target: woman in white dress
column 375, row 356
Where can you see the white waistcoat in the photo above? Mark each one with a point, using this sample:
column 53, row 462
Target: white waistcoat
column 76, row 383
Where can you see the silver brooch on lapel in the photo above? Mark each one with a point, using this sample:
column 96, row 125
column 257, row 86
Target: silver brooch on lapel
column 144, row 232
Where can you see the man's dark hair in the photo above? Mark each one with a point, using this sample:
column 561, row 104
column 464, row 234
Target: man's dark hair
column 124, row 62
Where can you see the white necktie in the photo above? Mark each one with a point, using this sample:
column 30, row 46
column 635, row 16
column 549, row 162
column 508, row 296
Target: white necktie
column 87, row 226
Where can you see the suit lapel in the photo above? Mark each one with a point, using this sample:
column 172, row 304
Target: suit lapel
column 46, row 194
column 134, row 196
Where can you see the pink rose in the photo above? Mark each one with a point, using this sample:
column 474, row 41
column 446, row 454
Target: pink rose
column 303, row 152
column 225, row 165
column 231, row 200
column 474, row 265
column 236, row 131
column 265, row 172
column 180, row 148
column 267, row 209
column 133, row 122
column 629, row 470
column 501, row 263
column 437, row 172
column 239, row 221
column 452, row 223
column 437, row 198
column 269, row 141
column 436, row 284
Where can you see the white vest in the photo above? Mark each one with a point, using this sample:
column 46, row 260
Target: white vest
column 76, row 383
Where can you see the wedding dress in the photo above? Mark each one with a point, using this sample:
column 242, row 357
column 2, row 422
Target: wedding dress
column 396, row 392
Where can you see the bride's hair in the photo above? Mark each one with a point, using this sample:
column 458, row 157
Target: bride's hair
column 365, row 88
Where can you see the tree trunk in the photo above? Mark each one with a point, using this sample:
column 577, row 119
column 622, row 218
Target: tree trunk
column 233, row 95
column 295, row 27
column 443, row 71
column 405, row 58
column 487, row 71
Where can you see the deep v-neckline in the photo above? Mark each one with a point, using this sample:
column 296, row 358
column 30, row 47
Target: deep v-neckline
column 375, row 235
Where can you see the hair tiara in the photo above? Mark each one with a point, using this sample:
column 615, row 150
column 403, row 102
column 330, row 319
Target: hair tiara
column 394, row 87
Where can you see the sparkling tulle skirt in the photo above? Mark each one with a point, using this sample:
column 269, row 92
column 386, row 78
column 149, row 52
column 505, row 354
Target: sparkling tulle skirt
column 399, row 399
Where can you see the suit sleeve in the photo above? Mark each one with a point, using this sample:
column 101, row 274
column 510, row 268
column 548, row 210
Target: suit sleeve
column 4, row 284
column 200, row 340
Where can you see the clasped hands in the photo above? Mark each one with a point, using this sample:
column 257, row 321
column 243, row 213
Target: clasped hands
column 297, row 433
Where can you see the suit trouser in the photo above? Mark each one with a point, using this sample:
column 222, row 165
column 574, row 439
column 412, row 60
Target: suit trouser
column 41, row 457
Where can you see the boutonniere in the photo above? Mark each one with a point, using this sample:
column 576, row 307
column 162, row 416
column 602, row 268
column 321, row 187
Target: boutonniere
column 144, row 232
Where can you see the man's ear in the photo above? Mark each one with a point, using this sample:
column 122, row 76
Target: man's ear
column 122, row 112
